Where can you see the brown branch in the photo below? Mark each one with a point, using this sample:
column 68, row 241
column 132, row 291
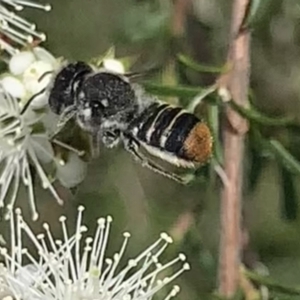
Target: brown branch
column 180, row 8
column 236, row 83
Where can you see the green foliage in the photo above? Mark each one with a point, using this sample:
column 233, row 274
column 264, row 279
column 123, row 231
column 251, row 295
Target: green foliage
column 143, row 22
column 253, row 115
column 252, row 12
column 284, row 156
column 190, row 63
column 273, row 285
column 289, row 194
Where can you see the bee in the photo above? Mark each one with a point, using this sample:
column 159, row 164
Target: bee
column 107, row 105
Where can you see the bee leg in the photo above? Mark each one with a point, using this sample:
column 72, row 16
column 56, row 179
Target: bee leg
column 66, row 115
column 67, row 147
column 111, row 138
column 63, row 119
column 132, row 147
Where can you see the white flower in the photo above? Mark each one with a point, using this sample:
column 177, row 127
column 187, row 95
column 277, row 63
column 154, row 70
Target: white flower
column 20, row 147
column 70, row 172
column 77, row 268
column 16, row 31
column 13, row 86
column 30, row 73
column 24, row 140
column 113, row 65
column 26, row 125
column 20, row 62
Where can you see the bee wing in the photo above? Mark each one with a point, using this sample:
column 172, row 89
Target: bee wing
column 142, row 73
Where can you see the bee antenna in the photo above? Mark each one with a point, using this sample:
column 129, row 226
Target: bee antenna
column 37, row 94
column 44, row 75
column 30, row 100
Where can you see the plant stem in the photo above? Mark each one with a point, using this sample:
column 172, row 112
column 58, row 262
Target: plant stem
column 236, row 82
column 180, row 8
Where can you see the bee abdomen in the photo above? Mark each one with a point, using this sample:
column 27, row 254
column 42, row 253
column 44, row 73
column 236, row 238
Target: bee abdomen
column 189, row 139
column 175, row 131
column 143, row 124
column 197, row 146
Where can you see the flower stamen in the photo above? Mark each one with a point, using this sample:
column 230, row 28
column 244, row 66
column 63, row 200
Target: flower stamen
column 63, row 271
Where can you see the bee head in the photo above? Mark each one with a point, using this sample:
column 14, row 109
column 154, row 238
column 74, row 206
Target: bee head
column 65, row 85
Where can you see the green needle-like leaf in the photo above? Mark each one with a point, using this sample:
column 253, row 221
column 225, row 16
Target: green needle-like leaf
column 193, row 92
column 256, row 116
column 256, row 167
column 198, row 99
column 251, row 13
column 284, row 156
column 271, row 284
column 213, row 121
column 190, row 63
column 289, row 196
column 167, row 90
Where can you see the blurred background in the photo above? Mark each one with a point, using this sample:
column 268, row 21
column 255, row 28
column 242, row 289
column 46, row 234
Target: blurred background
column 152, row 32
